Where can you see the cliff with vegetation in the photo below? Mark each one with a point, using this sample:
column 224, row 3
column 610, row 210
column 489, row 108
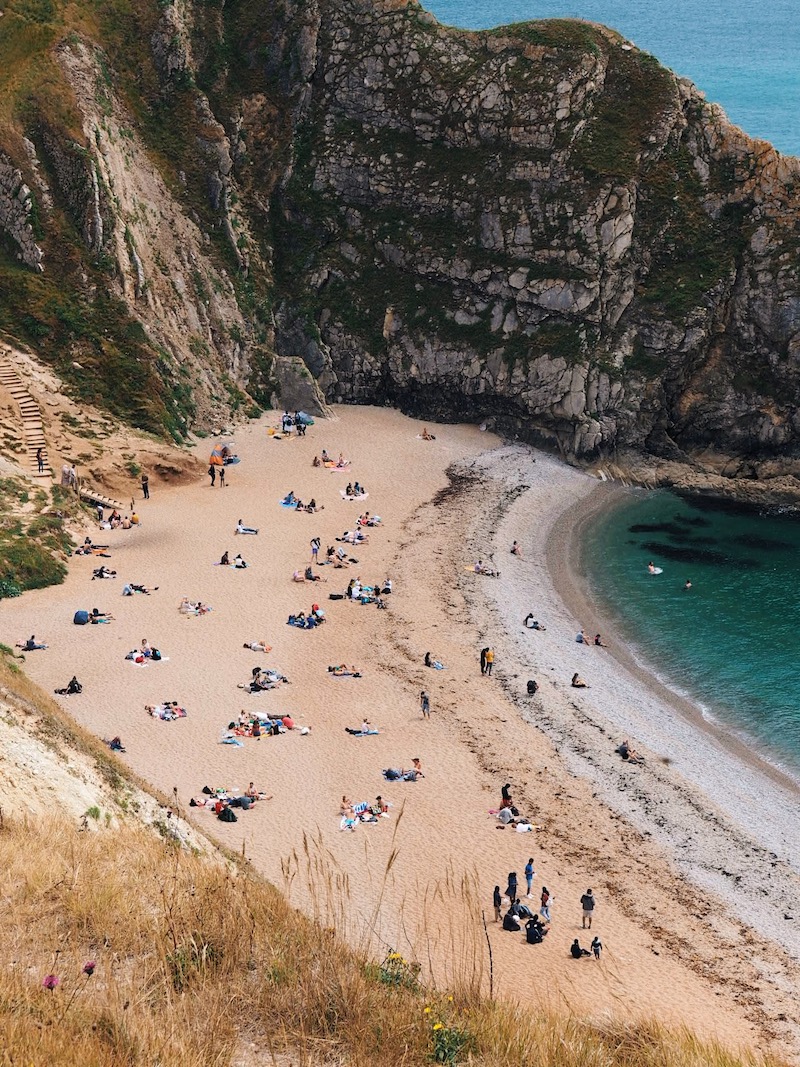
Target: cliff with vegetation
column 537, row 224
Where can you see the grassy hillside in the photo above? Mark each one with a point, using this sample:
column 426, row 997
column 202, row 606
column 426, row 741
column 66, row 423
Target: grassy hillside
column 121, row 947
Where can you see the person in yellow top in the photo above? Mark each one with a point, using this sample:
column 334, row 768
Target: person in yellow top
column 489, row 660
column 135, row 520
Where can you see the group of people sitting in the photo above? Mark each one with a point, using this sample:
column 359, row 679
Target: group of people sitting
column 223, row 801
column 368, row 594
column 354, row 490
column 352, row 814
column 307, row 575
column 315, row 617
column 116, row 521
column 581, row 638
column 258, row 726
column 144, row 653
column 292, row 501
column 237, row 561
column 325, row 461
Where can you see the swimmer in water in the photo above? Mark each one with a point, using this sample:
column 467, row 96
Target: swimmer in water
column 687, row 584
column 651, row 567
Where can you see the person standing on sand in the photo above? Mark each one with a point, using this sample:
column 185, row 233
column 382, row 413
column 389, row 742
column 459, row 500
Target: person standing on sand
column 483, row 660
column 587, row 903
column 315, row 545
column 146, row 486
column 222, row 477
column 596, row 947
column 425, row 704
column 497, row 901
column 511, row 888
column 529, row 873
column 489, row 660
column 212, row 473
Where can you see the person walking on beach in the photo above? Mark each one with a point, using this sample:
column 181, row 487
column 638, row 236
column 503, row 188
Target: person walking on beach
column 425, row 704
column 497, row 901
column 544, row 907
column 146, row 486
column 212, row 473
column 483, row 660
column 529, row 873
column 489, row 660
column 587, row 903
column 315, row 546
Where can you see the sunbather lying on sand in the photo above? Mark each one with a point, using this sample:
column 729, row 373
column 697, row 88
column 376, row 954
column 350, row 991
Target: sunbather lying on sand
column 168, row 711
column 257, row 646
column 395, row 774
column 242, row 529
column 343, row 671
column 103, row 572
column 131, row 587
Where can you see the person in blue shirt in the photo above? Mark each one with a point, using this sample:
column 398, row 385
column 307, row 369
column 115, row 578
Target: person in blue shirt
column 529, row 873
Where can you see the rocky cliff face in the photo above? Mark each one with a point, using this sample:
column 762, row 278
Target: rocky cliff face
column 537, row 224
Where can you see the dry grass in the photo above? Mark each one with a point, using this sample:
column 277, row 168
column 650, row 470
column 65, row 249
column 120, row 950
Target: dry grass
column 194, row 957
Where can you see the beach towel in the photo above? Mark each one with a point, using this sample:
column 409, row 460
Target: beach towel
column 332, row 467
column 361, row 496
column 231, row 739
column 292, row 506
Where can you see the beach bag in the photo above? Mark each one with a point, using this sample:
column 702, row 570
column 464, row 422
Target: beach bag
column 155, row 654
column 80, row 618
column 226, row 815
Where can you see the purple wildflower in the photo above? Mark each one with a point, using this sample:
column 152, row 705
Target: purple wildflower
column 88, row 968
column 50, row 981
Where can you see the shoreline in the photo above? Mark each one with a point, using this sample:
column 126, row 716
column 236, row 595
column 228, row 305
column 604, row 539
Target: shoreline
column 420, row 881
column 574, row 588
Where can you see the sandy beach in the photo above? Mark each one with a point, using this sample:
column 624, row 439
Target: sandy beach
column 692, row 857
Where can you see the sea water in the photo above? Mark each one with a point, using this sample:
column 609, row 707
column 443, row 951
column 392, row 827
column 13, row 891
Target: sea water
column 730, row 641
column 743, row 55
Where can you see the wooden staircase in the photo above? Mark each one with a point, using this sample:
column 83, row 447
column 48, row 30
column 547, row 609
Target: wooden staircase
column 32, row 427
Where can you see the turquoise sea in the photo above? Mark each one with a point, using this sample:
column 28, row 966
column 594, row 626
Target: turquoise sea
column 730, row 641
column 744, row 56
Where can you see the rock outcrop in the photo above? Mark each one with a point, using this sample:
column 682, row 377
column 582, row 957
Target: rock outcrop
column 537, row 224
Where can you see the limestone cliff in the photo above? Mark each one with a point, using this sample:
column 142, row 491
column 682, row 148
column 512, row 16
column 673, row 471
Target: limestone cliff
column 537, row 224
